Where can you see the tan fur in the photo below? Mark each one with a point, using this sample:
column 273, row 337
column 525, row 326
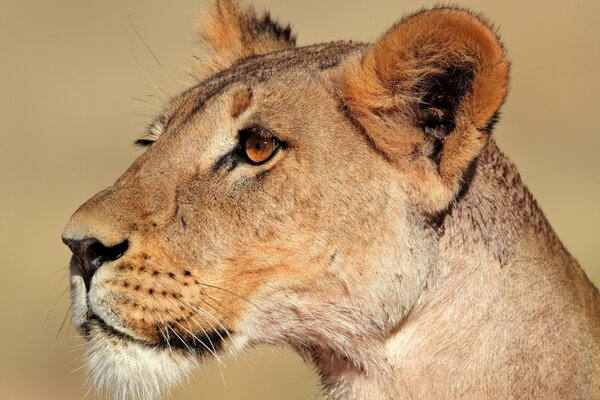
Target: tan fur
column 231, row 32
column 388, row 240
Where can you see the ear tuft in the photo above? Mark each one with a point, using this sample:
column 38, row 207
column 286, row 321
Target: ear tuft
column 270, row 28
column 432, row 85
column 230, row 32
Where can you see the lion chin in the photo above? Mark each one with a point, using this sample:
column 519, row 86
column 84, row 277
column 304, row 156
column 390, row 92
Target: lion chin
column 123, row 367
column 129, row 370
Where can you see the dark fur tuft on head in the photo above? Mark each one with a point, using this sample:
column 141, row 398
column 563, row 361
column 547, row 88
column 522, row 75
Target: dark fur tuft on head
column 233, row 31
column 271, row 27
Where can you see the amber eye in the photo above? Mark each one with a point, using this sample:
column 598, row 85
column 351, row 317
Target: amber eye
column 258, row 148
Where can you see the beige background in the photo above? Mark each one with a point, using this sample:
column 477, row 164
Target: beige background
column 68, row 75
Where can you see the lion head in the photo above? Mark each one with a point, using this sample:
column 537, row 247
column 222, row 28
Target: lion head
column 287, row 197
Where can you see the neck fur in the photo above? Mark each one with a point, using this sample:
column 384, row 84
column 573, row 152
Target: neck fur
column 485, row 242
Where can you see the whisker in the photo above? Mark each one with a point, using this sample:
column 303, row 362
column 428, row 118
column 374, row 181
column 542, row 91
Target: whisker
column 139, row 99
column 72, row 351
column 76, row 360
column 199, row 312
column 144, row 115
column 62, row 324
column 61, row 279
column 203, row 330
column 139, row 35
column 146, row 74
column 56, row 303
column 142, row 106
column 87, row 393
column 70, row 326
column 227, row 333
column 56, row 270
column 185, row 303
column 266, row 314
column 232, row 293
column 180, row 338
column 167, row 337
column 212, row 351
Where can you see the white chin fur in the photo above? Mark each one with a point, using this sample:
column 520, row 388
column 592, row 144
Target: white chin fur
column 132, row 371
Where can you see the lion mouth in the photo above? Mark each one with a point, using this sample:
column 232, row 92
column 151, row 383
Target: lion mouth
column 90, row 323
column 199, row 345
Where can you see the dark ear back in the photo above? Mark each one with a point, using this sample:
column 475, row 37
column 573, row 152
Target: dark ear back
column 426, row 94
column 231, row 31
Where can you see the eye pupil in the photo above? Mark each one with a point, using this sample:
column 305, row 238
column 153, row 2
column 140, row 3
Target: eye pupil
column 258, row 148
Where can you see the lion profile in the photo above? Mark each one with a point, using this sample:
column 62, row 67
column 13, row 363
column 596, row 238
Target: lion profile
column 346, row 200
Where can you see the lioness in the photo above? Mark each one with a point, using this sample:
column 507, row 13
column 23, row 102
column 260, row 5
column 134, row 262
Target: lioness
column 343, row 199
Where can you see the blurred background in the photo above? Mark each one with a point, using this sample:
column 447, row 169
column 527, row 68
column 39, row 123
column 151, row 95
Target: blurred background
column 77, row 86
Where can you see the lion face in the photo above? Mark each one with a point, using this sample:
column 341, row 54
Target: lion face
column 265, row 209
column 200, row 249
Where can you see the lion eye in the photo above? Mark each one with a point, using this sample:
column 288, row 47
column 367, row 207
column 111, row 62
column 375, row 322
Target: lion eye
column 259, row 148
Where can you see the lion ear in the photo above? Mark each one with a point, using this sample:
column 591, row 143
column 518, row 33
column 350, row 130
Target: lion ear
column 427, row 94
column 231, row 31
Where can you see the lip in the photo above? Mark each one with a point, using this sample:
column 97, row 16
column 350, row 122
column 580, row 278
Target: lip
column 94, row 320
column 206, row 343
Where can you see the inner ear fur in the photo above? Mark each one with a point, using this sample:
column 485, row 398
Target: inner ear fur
column 231, row 31
column 426, row 94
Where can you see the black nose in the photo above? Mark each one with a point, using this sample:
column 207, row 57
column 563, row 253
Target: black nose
column 90, row 254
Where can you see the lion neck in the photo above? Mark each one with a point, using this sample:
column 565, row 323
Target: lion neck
column 487, row 240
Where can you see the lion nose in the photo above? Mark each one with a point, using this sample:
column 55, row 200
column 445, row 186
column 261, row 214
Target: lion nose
column 90, row 254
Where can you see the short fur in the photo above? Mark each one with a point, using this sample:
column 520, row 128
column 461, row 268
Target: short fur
column 388, row 240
